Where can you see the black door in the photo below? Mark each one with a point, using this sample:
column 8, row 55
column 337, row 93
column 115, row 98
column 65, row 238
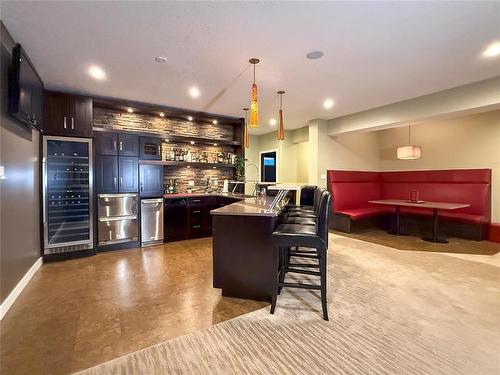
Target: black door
column 106, row 168
column 106, row 143
column 127, row 170
column 150, row 180
column 128, row 144
column 268, row 166
column 150, row 148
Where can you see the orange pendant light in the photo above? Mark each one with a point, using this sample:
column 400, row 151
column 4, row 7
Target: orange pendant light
column 254, row 104
column 281, row 125
column 246, row 142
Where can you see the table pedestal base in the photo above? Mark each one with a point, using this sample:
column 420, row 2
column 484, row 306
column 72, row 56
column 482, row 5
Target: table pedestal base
column 435, row 240
column 398, row 233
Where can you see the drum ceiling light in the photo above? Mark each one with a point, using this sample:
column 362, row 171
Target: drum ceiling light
column 410, row 152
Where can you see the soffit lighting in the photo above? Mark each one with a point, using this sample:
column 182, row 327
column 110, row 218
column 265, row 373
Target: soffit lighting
column 130, row 110
column 194, row 92
column 410, row 152
column 314, row 55
column 192, row 142
column 328, row 103
column 96, row 72
column 215, row 122
column 272, row 122
column 254, row 103
column 162, row 114
column 493, row 50
column 160, row 59
column 281, row 128
column 246, row 141
column 190, row 118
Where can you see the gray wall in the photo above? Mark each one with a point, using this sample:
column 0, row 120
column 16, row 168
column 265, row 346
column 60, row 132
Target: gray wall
column 19, row 191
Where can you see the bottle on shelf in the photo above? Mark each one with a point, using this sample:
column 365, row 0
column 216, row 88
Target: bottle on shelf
column 189, row 157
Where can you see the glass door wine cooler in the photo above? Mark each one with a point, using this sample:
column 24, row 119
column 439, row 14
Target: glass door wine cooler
column 67, row 195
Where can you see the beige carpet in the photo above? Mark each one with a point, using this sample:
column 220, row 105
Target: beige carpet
column 391, row 312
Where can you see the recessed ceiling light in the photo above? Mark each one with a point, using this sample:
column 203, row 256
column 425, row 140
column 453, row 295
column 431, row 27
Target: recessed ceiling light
column 272, row 122
column 215, row 122
column 194, row 92
column 493, row 50
column 215, row 144
column 96, row 72
column 160, row 59
column 162, row 114
column 314, row 55
column 130, row 110
column 166, row 140
column 190, row 118
column 328, row 103
column 192, row 142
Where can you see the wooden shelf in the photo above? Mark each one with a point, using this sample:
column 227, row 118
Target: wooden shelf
column 187, row 164
column 201, row 140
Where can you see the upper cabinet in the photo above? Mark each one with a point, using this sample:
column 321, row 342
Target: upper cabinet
column 69, row 115
column 112, row 143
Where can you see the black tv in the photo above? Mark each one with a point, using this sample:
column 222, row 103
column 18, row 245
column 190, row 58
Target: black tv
column 25, row 90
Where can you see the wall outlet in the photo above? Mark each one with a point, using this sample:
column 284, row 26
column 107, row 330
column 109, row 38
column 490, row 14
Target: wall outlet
column 322, row 176
column 191, row 183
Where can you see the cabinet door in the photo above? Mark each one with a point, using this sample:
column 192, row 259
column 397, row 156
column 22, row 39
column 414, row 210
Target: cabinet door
column 207, row 218
column 150, row 148
column 127, row 170
column 106, row 143
column 57, row 121
column 80, row 111
column 128, row 144
column 150, row 180
column 106, row 174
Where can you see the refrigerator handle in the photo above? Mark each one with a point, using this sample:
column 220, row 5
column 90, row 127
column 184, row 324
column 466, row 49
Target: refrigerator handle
column 44, row 203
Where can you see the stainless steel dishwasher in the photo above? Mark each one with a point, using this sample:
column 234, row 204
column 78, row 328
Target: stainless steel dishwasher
column 151, row 221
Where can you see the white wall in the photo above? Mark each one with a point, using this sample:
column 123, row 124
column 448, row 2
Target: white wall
column 464, row 142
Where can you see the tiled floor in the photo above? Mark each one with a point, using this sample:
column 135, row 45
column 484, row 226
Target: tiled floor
column 79, row 313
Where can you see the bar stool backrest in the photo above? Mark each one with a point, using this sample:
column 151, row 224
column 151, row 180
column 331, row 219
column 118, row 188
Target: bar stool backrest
column 307, row 194
column 324, row 212
column 318, row 194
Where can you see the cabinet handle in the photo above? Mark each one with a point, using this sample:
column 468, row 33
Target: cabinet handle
column 121, row 181
column 72, row 122
column 64, row 123
column 114, row 145
column 114, row 181
column 196, row 226
column 159, row 152
column 121, row 146
column 142, row 187
column 196, row 212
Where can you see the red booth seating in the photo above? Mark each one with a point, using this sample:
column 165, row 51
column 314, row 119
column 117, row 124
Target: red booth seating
column 352, row 190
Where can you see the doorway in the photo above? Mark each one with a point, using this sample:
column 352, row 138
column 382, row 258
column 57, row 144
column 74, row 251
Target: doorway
column 268, row 166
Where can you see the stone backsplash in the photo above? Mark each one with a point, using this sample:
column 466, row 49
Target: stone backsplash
column 123, row 121
column 198, row 174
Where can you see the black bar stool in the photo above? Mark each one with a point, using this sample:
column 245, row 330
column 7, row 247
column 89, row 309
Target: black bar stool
column 305, row 216
column 288, row 236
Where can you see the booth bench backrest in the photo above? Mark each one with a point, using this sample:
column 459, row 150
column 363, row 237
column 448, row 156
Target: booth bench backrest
column 353, row 189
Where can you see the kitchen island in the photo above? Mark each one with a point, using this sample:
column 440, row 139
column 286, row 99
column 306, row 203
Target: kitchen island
column 244, row 259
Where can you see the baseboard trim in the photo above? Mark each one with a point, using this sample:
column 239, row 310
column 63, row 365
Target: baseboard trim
column 11, row 298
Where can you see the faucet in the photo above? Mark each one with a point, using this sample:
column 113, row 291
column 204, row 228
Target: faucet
column 255, row 188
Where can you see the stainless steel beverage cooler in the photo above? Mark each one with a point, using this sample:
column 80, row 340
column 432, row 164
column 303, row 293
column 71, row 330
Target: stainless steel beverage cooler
column 151, row 222
column 67, row 195
column 117, row 218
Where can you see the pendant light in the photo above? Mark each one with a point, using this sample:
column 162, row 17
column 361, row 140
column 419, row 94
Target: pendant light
column 281, row 126
column 254, row 104
column 409, row 152
column 246, row 143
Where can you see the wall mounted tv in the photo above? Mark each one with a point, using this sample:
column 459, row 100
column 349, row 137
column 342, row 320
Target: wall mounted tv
column 25, row 90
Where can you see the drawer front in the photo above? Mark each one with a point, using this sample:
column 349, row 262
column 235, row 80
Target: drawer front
column 198, row 201
column 196, row 228
column 114, row 231
column 196, row 213
column 109, row 205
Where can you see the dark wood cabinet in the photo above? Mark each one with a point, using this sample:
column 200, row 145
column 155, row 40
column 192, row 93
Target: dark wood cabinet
column 150, row 180
column 128, row 172
column 106, row 143
column 69, row 115
column 150, row 148
column 175, row 223
column 106, row 174
column 128, row 144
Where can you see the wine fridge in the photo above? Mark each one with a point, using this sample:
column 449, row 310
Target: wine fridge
column 67, row 195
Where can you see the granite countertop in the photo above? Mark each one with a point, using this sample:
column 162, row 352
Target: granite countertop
column 249, row 207
column 214, row 194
